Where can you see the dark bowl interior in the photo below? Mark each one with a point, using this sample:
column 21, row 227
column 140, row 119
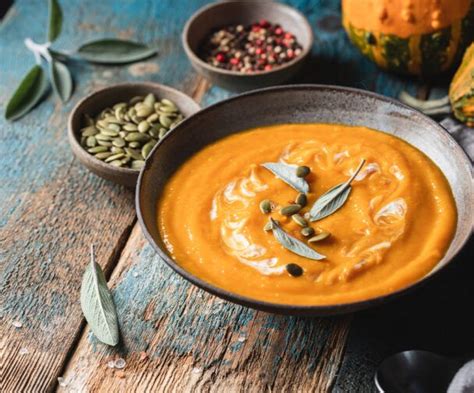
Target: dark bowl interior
column 217, row 15
column 109, row 96
column 303, row 104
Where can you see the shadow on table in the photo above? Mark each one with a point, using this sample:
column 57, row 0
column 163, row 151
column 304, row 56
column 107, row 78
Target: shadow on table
column 437, row 317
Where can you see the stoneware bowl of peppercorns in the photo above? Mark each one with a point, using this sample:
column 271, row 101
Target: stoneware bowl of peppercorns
column 243, row 45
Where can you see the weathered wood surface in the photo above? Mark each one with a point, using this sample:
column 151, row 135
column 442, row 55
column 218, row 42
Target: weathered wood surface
column 174, row 336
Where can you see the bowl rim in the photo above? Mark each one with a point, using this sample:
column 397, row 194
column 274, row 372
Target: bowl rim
column 286, row 308
column 73, row 135
column 195, row 57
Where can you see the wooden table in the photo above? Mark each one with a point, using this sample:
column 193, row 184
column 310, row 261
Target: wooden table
column 175, row 337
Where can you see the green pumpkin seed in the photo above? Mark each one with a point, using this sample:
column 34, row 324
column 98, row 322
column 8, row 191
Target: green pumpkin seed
column 169, row 103
column 146, row 149
column 290, row 210
column 89, row 131
column 104, row 143
column 117, row 163
column 113, row 127
column 109, row 132
column 114, row 157
column 299, row 220
column 136, row 119
column 152, row 118
column 137, row 137
column 320, row 236
column 167, row 109
column 154, row 132
column 115, row 149
column 112, row 120
column 265, row 206
column 97, row 149
column 307, row 232
column 165, row 121
column 149, row 100
column 135, row 154
column 103, row 155
column 144, row 126
column 130, row 127
column 268, row 226
column 302, row 171
column 301, row 200
column 123, row 134
column 89, row 120
column 91, row 141
column 134, row 145
column 120, row 105
column 144, row 111
column 102, row 124
column 162, row 133
column 125, row 160
column 134, row 100
column 137, row 164
column 118, row 142
column 103, row 137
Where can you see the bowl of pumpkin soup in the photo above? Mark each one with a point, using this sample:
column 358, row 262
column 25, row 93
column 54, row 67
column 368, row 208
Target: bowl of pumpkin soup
column 307, row 199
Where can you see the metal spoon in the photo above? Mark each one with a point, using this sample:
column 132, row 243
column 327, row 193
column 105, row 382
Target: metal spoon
column 416, row 372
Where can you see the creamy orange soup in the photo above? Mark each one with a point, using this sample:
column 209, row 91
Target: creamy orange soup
column 394, row 227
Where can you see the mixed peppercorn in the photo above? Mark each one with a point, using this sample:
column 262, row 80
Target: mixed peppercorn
column 261, row 46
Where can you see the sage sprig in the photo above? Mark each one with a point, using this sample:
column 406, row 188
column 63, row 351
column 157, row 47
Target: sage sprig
column 333, row 199
column 287, row 173
column 98, row 305
column 33, row 86
column 293, row 244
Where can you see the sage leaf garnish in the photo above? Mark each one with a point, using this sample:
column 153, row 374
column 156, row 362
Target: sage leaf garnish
column 97, row 304
column 55, row 20
column 287, row 173
column 294, row 245
column 333, row 199
column 114, row 51
column 28, row 94
column 61, row 79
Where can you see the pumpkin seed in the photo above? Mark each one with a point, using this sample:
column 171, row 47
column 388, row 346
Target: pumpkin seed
column 137, row 137
column 167, row 109
column 290, row 210
column 91, row 141
column 109, row 132
column 307, row 231
column 130, row 127
column 134, row 145
column 118, row 142
column 294, row 270
column 113, row 127
column 301, row 200
column 144, row 111
column 162, row 133
column 152, row 118
column 114, row 157
column 112, row 120
column 169, row 103
column 115, row 149
column 103, row 137
column 144, row 126
column 320, row 236
column 89, row 120
column 268, row 226
column 136, row 155
column 137, row 164
column 265, row 206
column 154, row 132
column 146, row 149
column 135, row 99
column 103, row 155
column 89, row 131
column 116, row 163
column 102, row 124
column 165, row 121
column 97, row 149
column 302, row 171
column 149, row 100
column 299, row 220
column 104, row 143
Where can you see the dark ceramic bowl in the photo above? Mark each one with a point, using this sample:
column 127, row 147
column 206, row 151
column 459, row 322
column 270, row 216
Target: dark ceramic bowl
column 304, row 104
column 101, row 99
column 217, row 15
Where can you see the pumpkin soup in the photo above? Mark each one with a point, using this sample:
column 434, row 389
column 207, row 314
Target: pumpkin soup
column 308, row 214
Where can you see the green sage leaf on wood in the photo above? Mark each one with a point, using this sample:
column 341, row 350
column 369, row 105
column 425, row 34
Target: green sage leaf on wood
column 55, row 20
column 97, row 304
column 32, row 88
column 334, row 199
column 287, row 173
column 293, row 244
column 114, row 51
column 61, row 79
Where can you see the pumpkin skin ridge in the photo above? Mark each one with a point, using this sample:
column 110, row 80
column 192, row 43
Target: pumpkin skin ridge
column 421, row 54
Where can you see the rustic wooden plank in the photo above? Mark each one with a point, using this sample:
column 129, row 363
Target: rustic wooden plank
column 176, row 337
column 52, row 208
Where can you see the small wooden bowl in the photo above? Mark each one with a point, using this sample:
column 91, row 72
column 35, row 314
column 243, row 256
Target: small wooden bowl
column 101, row 99
column 225, row 13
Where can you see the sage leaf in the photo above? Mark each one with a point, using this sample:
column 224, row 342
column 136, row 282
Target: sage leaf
column 287, row 173
column 61, row 79
column 294, row 245
column 333, row 199
column 30, row 91
column 97, row 304
column 55, row 20
column 114, row 51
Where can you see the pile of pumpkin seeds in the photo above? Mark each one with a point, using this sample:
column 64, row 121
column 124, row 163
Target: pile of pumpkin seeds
column 125, row 134
column 293, row 210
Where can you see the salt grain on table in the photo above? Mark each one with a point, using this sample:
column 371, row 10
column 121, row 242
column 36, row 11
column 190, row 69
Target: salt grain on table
column 23, row 351
column 241, row 339
column 62, row 382
column 196, row 370
column 111, row 364
column 17, row 324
